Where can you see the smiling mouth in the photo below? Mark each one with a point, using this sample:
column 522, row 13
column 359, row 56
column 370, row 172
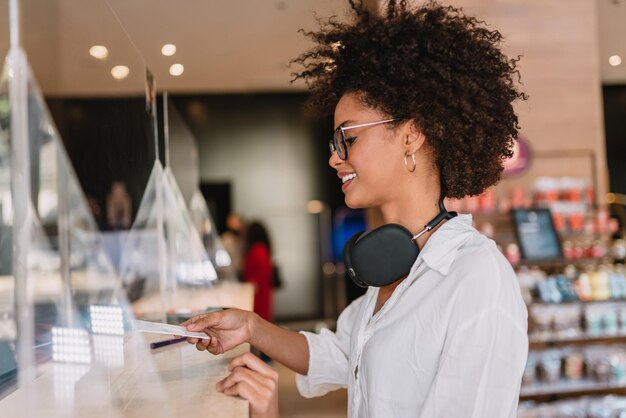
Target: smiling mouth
column 347, row 178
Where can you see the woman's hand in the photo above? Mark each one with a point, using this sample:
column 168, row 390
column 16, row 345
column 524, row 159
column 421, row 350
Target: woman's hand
column 254, row 381
column 227, row 329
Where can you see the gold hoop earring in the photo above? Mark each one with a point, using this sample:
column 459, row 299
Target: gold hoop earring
column 406, row 164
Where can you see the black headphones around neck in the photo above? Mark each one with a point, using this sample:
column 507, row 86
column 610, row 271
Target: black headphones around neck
column 386, row 254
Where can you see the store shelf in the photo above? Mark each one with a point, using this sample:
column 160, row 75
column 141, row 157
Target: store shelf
column 562, row 262
column 579, row 302
column 568, row 387
column 537, row 341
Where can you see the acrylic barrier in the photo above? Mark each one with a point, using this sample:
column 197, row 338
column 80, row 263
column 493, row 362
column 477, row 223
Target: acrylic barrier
column 67, row 343
column 163, row 257
column 66, row 336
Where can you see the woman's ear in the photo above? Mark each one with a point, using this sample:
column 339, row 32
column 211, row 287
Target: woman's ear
column 413, row 138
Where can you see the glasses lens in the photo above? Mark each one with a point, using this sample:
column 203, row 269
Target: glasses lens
column 340, row 144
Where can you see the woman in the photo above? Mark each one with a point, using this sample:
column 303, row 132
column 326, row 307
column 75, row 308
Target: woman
column 258, row 268
column 422, row 101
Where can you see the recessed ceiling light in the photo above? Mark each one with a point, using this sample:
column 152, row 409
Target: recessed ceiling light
column 615, row 60
column 177, row 69
column 120, row 72
column 98, row 51
column 168, row 50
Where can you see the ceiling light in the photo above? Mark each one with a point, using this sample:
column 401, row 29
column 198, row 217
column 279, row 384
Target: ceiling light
column 120, row 72
column 98, row 51
column 168, row 50
column 615, row 60
column 177, row 69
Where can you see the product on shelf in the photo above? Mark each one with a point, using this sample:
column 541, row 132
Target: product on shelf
column 598, row 360
column 574, row 365
column 601, row 283
column 550, row 366
column 587, row 407
column 555, row 368
column 513, row 254
column 618, row 250
column 530, row 371
column 560, row 322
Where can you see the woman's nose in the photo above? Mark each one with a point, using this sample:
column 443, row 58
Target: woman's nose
column 334, row 160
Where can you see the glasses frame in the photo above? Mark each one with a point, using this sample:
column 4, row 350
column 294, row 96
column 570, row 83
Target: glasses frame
column 339, row 144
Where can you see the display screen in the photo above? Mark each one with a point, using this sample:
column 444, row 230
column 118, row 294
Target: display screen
column 538, row 239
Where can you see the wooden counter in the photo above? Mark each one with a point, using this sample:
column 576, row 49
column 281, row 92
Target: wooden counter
column 172, row 381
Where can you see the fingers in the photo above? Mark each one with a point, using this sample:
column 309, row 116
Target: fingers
column 200, row 322
column 202, row 344
column 211, row 344
column 252, row 362
column 193, row 319
column 243, row 389
column 215, row 347
column 258, row 388
column 242, row 374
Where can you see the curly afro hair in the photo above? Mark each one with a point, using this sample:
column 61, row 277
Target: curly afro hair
column 432, row 65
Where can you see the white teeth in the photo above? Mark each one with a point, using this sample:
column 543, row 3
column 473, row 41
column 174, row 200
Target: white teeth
column 348, row 177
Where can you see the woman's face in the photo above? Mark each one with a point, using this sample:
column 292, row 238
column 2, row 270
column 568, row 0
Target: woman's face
column 372, row 174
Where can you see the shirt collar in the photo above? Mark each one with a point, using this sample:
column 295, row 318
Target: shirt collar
column 442, row 246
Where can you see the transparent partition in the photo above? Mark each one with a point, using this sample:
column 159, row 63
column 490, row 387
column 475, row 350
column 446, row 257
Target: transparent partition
column 8, row 330
column 84, row 351
column 164, row 261
column 67, row 340
column 205, row 225
column 176, row 131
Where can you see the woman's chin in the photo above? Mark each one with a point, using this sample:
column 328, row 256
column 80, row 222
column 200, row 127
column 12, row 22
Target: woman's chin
column 355, row 203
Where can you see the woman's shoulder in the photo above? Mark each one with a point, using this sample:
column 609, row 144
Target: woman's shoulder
column 481, row 279
column 479, row 263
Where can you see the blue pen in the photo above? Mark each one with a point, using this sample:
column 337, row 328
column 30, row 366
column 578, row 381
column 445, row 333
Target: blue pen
column 167, row 342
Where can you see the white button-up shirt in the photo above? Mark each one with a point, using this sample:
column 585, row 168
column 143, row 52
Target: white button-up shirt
column 450, row 342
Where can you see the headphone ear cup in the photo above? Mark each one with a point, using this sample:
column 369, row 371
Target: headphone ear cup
column 347, row 258
column 383, row 255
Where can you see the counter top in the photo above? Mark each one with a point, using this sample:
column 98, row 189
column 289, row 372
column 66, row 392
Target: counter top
column 125, row 378
column 173, row 381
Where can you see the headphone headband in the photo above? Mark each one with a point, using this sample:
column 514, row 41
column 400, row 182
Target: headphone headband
column 443, row 214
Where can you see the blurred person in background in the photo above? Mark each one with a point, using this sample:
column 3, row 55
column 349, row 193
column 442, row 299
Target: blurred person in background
column 258, row 268
column 233, row 240
column 119, row 207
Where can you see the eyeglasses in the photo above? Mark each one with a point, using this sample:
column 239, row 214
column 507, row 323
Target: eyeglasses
column 340, row 143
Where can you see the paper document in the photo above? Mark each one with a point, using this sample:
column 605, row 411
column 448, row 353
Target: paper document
column 156, row 328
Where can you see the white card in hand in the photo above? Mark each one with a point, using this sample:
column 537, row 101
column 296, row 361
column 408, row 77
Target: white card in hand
column 157, row 328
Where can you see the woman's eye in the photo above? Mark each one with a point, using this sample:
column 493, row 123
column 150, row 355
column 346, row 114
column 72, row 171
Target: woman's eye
column 350, row 140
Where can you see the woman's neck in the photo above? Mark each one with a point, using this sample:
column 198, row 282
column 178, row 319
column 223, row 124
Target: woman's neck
column 413, row 212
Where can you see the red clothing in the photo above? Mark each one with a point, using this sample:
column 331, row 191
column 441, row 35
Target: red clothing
column 258, row 270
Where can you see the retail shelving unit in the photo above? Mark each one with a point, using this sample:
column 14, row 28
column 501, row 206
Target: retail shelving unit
column 578, row 366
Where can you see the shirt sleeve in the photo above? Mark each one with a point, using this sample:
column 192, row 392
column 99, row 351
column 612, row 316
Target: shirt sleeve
column 485, row 351
column 329, row 355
